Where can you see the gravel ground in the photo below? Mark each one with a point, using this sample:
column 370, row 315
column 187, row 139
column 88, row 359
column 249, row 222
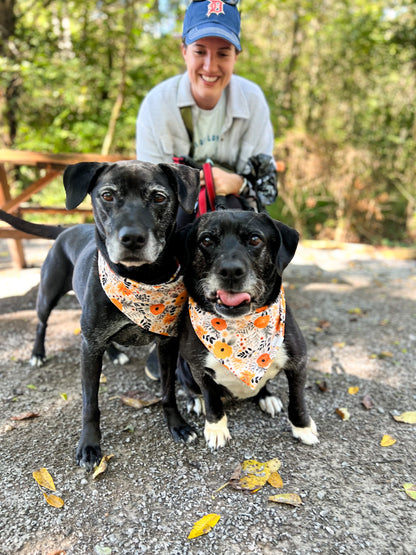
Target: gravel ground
column 357, row 312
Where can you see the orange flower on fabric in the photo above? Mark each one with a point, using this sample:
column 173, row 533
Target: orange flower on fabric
column 219, row 324
column 117, row 303
column 262, row 321
column 181, row 299
column 222, row 350
column 264, row 360
column 157, row 308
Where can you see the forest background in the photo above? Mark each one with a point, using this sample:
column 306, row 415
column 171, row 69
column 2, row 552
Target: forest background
column 339, row 77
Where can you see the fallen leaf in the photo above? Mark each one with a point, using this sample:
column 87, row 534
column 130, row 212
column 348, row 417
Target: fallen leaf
column 385, row 354
column 406, row 417
column 323, row 386
column 275, row 480
column 355, row 311
column 25, row 416
column 64, row 396
column 410, row 489
column 102, row 467
column 343, row 413
column 367, row 402
column 139, row 399
column 204, row 525
column 53, row 500
column 353, row 390
column 387, row 441
column 255, row 474
column 287, row 499
column 77, row 331
column 340, row 344
column 31, row 386
column 44, row 479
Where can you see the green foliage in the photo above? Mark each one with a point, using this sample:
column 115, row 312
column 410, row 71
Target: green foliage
column 339, row 77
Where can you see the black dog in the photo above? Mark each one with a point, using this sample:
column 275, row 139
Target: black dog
column 232, row 338
column 135, row 206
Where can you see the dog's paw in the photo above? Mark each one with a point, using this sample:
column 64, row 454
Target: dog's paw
column 183, row 433
column 307, row 435
column 88, row 456
column 271, row 404
column 120, row 359
column 217, row 433
column 196, row 405
column 36, row 361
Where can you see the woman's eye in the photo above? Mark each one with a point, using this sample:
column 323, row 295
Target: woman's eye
column 159, row 198
column 254, row 240
column 108, row 196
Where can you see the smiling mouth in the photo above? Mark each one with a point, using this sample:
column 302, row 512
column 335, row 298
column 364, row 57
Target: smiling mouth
column 207, row 79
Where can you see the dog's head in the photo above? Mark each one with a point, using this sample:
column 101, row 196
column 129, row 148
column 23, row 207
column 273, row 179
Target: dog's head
column 135, row 204
column 234, row 260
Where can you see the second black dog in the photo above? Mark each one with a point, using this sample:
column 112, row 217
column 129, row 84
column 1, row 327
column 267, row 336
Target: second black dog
column 239, row 332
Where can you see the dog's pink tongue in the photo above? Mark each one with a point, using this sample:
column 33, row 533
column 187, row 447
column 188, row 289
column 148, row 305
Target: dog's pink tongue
column 232, row 299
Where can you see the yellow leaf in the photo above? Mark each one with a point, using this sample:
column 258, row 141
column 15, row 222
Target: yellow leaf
column 139, row 403
column 353, row 390
column 355, row 311
column 273, row 465
column 102, row 467
column 77, row 331
column 64, row 396
column 410, row 489
column 407, row 417
column 53, row 500
column 340, row 344
column 44, row 479
column 251, row 482
column 204, row 525
column 252, row 466
column 387, row 440
column 343, row 413
column 275, row 480
column 287, row 498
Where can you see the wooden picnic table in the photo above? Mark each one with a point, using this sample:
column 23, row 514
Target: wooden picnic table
column 54, row 165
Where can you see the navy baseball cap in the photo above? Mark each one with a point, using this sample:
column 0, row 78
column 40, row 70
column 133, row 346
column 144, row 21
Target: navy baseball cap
column 212, row 18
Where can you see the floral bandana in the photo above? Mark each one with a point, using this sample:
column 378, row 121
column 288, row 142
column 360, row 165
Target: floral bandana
column 154, row 308
column 245, row 346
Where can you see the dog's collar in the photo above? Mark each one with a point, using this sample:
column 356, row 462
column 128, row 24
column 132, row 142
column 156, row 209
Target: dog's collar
column 154, row 308
column 246, row 346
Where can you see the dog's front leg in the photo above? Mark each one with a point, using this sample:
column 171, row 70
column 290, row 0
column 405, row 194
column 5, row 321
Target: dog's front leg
column 168, row 349
column 216, row 430
column 88, row 453
column 303, row 427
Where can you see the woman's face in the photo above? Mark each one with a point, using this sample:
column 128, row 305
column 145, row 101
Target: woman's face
column 210, row 63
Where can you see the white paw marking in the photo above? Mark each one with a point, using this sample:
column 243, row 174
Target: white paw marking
column 36, row 361
column 217, row 433
column 308, row 435
column 121, row 359
column 196, row 405
column 271, row 404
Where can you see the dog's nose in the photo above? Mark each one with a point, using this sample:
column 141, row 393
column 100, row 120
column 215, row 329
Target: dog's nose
column 131, row 237
column 232, row 269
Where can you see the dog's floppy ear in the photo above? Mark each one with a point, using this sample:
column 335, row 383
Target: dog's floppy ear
column 289, row 239
column 79, row 180
column 187, row 183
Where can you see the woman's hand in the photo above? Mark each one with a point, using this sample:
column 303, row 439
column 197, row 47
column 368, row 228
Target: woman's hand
column 225, row 183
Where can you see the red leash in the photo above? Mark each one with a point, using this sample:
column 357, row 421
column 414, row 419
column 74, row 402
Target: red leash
column 206, row 197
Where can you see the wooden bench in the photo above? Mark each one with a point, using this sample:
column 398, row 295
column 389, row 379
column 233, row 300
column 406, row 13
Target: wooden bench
column 54, row 165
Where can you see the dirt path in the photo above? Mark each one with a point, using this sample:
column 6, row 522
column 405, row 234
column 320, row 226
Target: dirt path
column 357, row 312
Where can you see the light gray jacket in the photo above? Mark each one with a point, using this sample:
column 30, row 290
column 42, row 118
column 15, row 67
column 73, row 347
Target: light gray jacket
column 161, row 132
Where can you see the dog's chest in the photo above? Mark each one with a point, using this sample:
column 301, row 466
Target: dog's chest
column 235, row 385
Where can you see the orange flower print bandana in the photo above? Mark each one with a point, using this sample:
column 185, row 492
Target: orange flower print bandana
column 154, row 308
column 246, row 346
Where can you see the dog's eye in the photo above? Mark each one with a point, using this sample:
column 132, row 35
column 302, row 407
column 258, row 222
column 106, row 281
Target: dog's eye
column 254, row 240
column 108, row 196
column 206, row 241
column 158, row 198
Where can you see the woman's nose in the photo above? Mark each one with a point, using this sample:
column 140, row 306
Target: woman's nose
column 209, row 62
